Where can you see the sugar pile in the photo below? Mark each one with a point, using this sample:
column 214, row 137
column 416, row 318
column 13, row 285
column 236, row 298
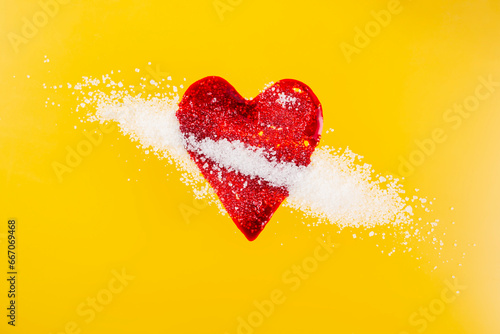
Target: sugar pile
column 335, row 187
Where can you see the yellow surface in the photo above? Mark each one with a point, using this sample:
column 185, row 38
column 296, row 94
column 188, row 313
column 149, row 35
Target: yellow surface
column 197, row 273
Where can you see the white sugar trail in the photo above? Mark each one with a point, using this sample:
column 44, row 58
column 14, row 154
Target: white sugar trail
column 333, row 187
column 152, row 122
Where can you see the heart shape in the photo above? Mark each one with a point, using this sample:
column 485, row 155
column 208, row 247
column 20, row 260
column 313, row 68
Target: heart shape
column 285, row 121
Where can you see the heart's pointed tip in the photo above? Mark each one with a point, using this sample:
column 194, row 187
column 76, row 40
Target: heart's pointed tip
column 251, row 238
column 250, row 235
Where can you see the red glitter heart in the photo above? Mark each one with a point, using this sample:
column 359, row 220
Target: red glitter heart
column 285, row 118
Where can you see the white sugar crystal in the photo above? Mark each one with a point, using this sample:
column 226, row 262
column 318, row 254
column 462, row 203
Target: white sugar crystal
column 286, row 100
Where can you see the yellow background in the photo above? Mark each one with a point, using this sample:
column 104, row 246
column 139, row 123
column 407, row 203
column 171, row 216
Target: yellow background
column 198, row 275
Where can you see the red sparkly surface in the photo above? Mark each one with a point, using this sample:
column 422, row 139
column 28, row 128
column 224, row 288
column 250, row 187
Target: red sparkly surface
column 285, row 118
